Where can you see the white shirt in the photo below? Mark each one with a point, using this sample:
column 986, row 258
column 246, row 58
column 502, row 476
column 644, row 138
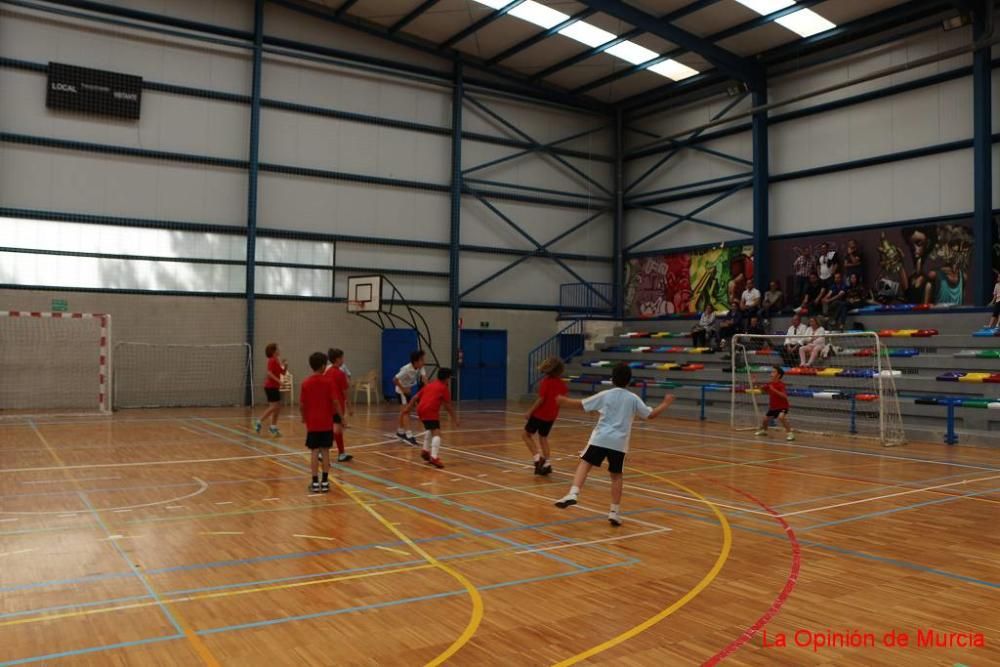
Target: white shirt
column 618, row 407
column 996, row 292
column 795, row 334
column 826, row 264
column 751, row 296
column 408, row 376
column 816, row 335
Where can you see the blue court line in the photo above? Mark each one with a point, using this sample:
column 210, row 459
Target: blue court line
column 906, row 508
column 420, row 598
column 91, row 649
column 146, row 487
column 412, row 491
column 79, row 605
column 279, row 557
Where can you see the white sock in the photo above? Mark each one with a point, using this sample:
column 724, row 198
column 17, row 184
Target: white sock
column 574, row 490
column 615, row 509
column 435, row 446
column 538, row 457
column 427, row 441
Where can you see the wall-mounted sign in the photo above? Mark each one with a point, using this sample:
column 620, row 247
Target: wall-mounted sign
column 93, row 91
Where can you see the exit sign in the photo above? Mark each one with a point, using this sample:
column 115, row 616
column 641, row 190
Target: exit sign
column 60, row 306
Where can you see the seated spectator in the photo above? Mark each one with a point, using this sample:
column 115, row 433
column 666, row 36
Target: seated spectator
column 706, row 332
column 750, row 301
column 813, row 297
column 773, row 302
column 835, row 302
column 995, row 302
column 815, row 344
column 855, row 292
column 727, row 327
column 852, row 261
column 794, row 339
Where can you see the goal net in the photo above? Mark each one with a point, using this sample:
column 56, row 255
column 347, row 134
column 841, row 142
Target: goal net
column 54, row 363
column 841, row 384
column 155, row 375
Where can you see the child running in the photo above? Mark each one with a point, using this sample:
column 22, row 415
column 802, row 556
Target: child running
column 618, row 407
column 406, row 381
column 318, row 406
column 543, row 413
column 338, row 380
column 777, row 404
column 272, row 388
column 429, row 401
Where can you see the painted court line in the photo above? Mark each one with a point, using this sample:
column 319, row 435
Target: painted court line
column 316, row 537
column 617, row 538
column 15, row 553
column 202, row 487
column 223, row 532
column 395, row 551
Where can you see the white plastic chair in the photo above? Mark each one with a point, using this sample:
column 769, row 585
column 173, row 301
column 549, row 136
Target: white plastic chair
column 369, row 385
column 287, row 386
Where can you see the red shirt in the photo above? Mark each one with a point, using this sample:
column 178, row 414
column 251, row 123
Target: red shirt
column 777, row 402
column 549, row 389
column 338, row 380
column 432, row 397
column 273, row 368
column 316, row 400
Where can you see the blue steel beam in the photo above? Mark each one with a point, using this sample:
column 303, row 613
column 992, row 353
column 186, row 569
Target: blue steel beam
column 346, row 6
column 542, row 252
column 631, row 34
column 638, row 201
column 517, row 228
column 512, row 156
column 479, row 25
column 741, row 69
column 694, row 135
column 455, row 234
column 892, row 17
column 761, row 208
column 541, row 147
column 538, row 37
column 413, row 15
column 688, row 216
column 531, row 188
column 982, row 148
column 618, row 222
column 252, row 178
column 714, row 38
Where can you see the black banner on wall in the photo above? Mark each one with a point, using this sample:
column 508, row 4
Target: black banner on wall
column 93, row 91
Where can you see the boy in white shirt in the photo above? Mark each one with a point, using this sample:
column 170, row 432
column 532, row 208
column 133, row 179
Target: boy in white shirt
column 618, row 408
column 407, row 381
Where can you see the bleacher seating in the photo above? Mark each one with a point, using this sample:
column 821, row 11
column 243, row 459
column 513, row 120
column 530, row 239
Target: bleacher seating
column 946, row 360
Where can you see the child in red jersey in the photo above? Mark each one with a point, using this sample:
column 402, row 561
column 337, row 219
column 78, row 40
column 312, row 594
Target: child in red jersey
column 318, row 406
column 429, row 401
column 272, row 388
column 339, row 382
column 778, row 405
column 543, row 413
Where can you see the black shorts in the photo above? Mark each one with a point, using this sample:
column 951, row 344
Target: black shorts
column 337, row 419
column 595, row 456
column 431, row 424
column 539, row 426
column 319, row 439
column 273, row 394
column 777, row 412
column 996, row 309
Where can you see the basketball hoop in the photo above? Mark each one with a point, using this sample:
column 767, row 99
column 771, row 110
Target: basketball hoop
column 356, row 306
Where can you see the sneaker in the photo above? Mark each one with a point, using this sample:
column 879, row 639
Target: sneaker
column 410, row 438
column 566, row 501
column 314, row 487
column 402, row 436
column 614, row 519
column 435, row 462
column 539, row 464
column 275, row 432
column 257, row 425
column 324, row 487
column 790, row 437
column 425, row 455
column 761, row 433
column 546, row 468
column 344, row 457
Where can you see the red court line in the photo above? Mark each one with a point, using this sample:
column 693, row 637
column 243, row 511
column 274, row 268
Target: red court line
column 783, row 595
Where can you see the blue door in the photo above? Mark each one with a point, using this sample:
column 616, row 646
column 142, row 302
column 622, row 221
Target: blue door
column 484, row 369
column 397, row 344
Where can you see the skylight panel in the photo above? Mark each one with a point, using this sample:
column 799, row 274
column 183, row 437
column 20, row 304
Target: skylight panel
column 764, row 7
column 632, row 52
column 673, row 70
column 806, row 23
column 590, row 35
column 538, row 14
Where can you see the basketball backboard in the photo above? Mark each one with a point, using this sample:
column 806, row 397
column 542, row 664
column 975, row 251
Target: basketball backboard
column 364, row 294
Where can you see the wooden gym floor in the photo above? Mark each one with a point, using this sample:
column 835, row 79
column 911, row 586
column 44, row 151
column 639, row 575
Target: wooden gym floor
column 159, row 537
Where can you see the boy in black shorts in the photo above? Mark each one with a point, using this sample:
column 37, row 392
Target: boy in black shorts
column 318, row 404
column 618, row 408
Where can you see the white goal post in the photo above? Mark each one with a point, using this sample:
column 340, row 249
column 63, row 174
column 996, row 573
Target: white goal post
column 843, row 384
column 54, row 364
column 166, row 375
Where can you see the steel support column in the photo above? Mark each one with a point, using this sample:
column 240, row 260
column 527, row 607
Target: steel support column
column 982, row 149
column 252, row 173
column 457, row 99
column 618, row 221
column 761, row 231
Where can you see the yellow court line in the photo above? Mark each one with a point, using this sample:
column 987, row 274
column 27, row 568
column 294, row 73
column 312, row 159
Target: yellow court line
column 196, row 643
column 727, row 542
column 395, row 551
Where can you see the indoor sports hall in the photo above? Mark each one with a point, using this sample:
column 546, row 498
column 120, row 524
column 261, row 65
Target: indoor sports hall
column 499, row 332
